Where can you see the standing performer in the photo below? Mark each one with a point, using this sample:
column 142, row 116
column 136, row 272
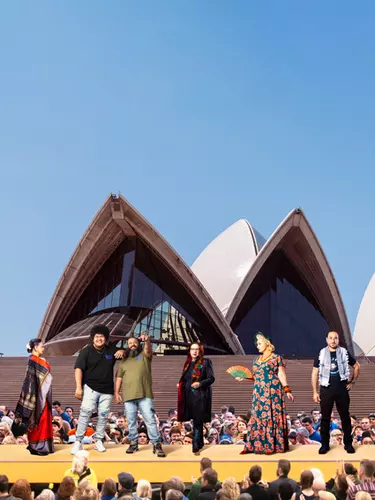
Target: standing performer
column 268, row 425
column 35, row 402
column 194, row 393
column 94, row 384
column 331, row 373
column 134, row 374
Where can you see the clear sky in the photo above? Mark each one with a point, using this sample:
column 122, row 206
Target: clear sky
column 198, row 112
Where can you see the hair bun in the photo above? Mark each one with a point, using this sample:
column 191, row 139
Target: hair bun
column 29, row 348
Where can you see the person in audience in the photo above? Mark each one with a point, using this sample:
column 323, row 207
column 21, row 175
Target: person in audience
column 231, row 488
column 72, row 421
column 176, row 436
column 318, row 485
column 66, row 489
column 303, row 437
column 367, row 438
column 213, row 436
column 134, row 375
column 142, row 436
column 365, row 424
column 253, row 485
column 282, row 472
column 46, row 495
column 126, row 484
column 195, row 393
column 86, row 491
column 196, row 484
column 222, row 495
column 314, row 435
column 351, row 473
column 366, row 476
column 21, row 489
column 57, row 439
column 174, row 495
column 4, row 488
column 93, row 373
column 56, row 405
column 363, row 495
column 165, row 487
column 6, row 435
column 268, row 426
column 331, row 383
column 340, row 487
column 109, row 490
column 326, row 495
column 209, row 485
column 144, row 490
column 246, row 496
column 306, row 482
column 64, row 428
column 336, row 437
column 371, row 417
column 285, row 492
column 80, row 471
column 228, row 432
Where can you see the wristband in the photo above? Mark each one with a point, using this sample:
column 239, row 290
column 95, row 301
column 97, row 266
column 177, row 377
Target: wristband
column 287, row 389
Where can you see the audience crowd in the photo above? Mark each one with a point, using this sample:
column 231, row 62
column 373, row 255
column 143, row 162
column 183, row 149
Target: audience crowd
column 226, row 427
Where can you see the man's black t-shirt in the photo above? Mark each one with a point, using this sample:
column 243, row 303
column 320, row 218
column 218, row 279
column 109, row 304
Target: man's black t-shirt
column 334, row 375
column 97, row 368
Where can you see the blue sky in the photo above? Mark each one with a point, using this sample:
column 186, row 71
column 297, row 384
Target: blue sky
column 200, row 113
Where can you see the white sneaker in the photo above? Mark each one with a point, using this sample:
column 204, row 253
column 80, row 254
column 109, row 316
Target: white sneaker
column 99, row 446
column 77, row 446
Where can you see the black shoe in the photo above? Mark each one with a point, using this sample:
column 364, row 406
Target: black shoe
column 323, row 449
column 349, row 449
column 158, row 450
column 196, row 451
column 132, row 448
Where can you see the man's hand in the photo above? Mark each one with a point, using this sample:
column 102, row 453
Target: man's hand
column 195, row 385
column 349, row 386
column 144, row 337
column 78, row 394
column 118, row 398
column 316, row 397
column 119, row 354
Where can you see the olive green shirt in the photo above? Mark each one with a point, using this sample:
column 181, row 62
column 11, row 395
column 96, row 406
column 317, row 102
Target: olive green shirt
column 136, row 377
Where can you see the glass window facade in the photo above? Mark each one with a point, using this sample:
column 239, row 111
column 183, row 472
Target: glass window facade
column 280, row 304
column 135, row 282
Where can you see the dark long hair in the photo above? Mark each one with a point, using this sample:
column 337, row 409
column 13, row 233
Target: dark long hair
column 32, row 344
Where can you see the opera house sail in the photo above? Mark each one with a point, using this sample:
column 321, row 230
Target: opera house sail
column 125, row 275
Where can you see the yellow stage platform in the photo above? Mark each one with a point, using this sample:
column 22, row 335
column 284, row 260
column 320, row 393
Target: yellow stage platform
column 16, row 462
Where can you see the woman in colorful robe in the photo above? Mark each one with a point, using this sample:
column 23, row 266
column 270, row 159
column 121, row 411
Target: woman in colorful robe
column 268, row 428
column 194, row 393
column 35, row 404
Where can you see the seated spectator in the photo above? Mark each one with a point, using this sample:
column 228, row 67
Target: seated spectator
column 86, row 491
column 57, row 439
column 4, row 488
column 306, row 482
column 56, row 405
column 126, row 484
column 285, row 491
column 176, row 436
column 336, row 437
column 252, row 484
column 318, row 485
column 64, row 427
column 109, row 490
column 46, row 495
column 144, row 490
column 165, row 430
column 314, row 435
column 366, row 476
column 209, row 485
column 216, row 424
column 222, row 495
column 283, row 469
column 122, row 424
column 340, row 487
column 21, row 489
column 365, row 424
column 228, row 431
column 66, row 489
column 72, row 421
column 18, row 428
column 371, row 417
column 165, row 487
column 292, row 437
column 357, row 434
column 143, row 435
column 316, row 417
column 244, row 496
column 188, row 439
column 295, row 424
column 241, row 434
column 303, row 437
column 231, row 488
column 6, row 435
column 80, row 470
column 213, row 436
column 196, row 484
column 174, row 495
column 367, row 438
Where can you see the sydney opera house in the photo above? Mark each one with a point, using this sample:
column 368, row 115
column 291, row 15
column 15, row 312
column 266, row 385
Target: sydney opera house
column 124, row 274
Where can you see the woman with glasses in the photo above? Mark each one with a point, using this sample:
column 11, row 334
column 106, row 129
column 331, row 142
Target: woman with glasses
column 194, row 393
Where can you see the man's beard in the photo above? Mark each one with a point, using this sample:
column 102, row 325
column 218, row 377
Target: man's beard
column 133, row 353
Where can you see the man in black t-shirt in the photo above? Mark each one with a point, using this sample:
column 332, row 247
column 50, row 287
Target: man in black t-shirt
column 95, row 384
column 331, row 383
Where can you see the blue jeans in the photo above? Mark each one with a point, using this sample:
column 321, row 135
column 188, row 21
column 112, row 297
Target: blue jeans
column 91, row 401
column 146, row 407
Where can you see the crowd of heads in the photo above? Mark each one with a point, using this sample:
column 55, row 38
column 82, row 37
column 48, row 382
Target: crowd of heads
column 347, row 484
column 226, row 427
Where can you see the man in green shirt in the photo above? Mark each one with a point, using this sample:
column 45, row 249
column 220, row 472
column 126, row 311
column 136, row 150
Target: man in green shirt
column 134, row 375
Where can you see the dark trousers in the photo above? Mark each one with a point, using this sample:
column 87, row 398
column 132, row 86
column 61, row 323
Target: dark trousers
column 340, row 396
column 197, row 435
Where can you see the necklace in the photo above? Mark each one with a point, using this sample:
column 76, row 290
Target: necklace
column 263, row 359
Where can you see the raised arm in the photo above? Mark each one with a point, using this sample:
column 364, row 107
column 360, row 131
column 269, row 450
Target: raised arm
column 147, row 349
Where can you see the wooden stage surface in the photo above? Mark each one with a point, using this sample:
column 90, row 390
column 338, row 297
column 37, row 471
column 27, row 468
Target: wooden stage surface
column 16, row 462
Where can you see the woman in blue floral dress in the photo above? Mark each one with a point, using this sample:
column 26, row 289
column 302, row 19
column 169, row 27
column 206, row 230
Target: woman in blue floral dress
column 268, row 429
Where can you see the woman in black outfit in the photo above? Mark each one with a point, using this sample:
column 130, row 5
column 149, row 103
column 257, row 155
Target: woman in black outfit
column 194, row 393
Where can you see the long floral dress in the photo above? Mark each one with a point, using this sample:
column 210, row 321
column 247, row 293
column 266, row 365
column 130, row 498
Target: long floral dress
column 268, row 430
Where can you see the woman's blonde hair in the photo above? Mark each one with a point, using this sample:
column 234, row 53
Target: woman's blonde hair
column 86, row 491
column 231, row 488
column 267, row 341
column 143, row 489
